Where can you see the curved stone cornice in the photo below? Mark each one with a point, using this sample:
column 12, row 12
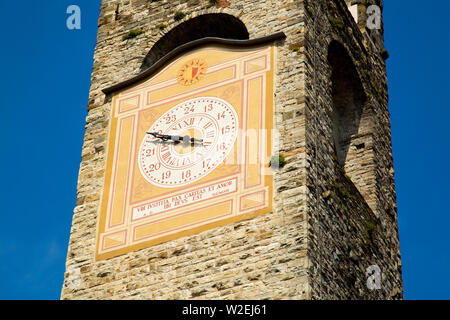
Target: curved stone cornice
column 187, row 46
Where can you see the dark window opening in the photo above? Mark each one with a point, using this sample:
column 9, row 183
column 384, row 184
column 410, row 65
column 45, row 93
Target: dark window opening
column 217, row 25
column 348, row 99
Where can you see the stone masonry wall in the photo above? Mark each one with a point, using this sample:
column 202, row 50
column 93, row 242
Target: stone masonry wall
column 346, row 234
column 260, row 258
column 323, row 232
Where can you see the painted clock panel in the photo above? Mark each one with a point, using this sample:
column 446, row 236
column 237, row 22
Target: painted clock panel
column 189, row 149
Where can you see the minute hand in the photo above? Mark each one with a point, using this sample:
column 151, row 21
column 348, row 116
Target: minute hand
column 163, row 137
column 185, row 139
column 193, row 140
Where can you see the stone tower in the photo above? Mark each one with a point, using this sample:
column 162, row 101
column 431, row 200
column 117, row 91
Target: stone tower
column 321, row 226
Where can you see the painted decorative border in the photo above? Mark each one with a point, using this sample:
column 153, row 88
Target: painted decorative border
column 187, row 46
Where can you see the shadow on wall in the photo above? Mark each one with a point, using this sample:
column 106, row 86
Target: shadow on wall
column 217, row 25
column 348, row 99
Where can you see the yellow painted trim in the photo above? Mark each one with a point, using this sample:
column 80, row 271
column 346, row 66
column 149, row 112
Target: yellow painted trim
column 268, row 179
column 108, row 176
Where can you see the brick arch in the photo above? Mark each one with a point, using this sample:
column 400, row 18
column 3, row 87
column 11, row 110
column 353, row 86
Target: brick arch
column 348, row 98
column 210, row 24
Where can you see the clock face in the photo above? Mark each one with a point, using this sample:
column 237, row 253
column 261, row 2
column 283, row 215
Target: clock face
column 214, row 124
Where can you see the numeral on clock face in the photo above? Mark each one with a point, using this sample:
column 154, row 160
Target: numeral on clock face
column 209, row 108
column 154, row 167
column 150, row 152
column 166, row 175
column 221, row 116
column 188, row 110
column 207, row 126
column 207, row 144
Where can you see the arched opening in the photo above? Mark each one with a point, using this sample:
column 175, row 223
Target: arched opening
column 348, row 101
column 217, row 25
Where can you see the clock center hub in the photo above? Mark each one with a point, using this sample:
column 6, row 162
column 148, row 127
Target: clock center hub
column 186, row 147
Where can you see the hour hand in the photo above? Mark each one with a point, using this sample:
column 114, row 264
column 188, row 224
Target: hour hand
column 187, row 139
column 176, row 139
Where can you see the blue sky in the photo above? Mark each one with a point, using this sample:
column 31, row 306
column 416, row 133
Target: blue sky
column 46, row 72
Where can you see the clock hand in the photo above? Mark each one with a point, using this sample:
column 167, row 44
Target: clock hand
column 185, row 139
column 163, row 137
column 192, row 140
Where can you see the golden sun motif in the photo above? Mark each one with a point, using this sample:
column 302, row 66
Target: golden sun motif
column 192, row 72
